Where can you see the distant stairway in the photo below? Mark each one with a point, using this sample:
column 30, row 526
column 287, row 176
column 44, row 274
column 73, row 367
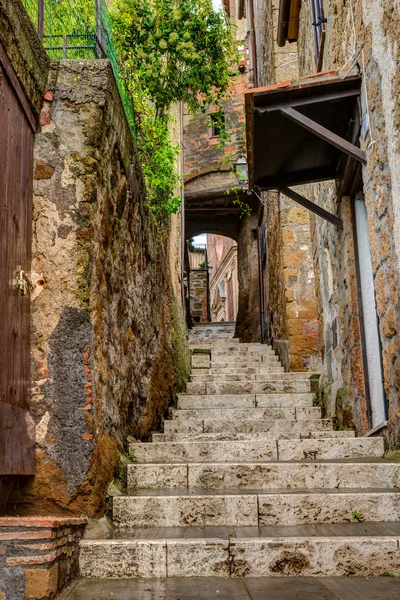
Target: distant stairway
column 248, row 480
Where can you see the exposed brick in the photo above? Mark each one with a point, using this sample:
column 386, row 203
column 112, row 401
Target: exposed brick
column 41, row 584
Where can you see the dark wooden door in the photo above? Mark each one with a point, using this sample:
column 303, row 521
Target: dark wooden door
column 17, row 451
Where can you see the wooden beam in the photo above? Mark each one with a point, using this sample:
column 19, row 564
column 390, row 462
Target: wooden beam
column 317, row 99
column 210, row 193
column 218, row 210
column 325, row 134
column 321, row 212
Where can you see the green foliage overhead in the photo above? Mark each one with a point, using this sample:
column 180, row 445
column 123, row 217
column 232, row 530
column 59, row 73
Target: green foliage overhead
column 170, row 51
column 180, row 50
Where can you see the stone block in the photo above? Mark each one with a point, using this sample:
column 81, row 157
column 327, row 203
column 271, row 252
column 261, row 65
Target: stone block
column 335, row 507
column 123, row 558
column 200, row 361
column 198, row 452
column 294, row 475
column 234, row 414
column 327, row 557
column 157, row 476
column 257, row 387
column 253, row 436
column 329, row 449
column 198, row 558
column 186, row 511
column 215, row 401
column 41, row 584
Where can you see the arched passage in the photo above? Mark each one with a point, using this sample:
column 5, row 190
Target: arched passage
column 212, row 278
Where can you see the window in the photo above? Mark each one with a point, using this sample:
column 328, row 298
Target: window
column 318, row 23
column 217, row 120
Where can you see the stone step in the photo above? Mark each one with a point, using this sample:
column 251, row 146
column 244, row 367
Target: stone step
column 294, row 386
column 261, row 436
column 198, row 452
column 254, row 508
column 328, row 449
column 278, row 428
column 239, row 370
column 229, row 360
column 270, row 475
column 257, row 451
column 186, row 401
column 185, row 510
column 332, row 550
column 251, row 414
column 212, row 337
column 238, row 350
column 274, row 373
column 330, row 506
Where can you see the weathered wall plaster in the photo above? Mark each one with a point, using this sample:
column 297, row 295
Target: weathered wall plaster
column 103, row 355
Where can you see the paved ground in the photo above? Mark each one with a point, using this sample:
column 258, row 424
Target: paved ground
column 252, row 588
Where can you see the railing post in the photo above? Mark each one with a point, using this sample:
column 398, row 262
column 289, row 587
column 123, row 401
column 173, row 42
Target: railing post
column 40, row 19
column 100, row 50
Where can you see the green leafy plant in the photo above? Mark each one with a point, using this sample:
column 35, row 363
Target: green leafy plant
column 358, row 516
column 132, row 456
column 237, row 201
column 171, row 52
column 388, row 574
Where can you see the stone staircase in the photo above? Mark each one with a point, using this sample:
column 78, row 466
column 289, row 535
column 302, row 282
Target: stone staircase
column 248, row 480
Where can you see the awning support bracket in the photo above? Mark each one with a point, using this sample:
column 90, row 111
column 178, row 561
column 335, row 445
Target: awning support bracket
column 325, row 134
column 321, row 212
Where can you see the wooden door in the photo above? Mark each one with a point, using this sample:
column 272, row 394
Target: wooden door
column 17, row 127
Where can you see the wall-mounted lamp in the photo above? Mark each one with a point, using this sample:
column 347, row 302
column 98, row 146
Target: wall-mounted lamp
column 241, row 171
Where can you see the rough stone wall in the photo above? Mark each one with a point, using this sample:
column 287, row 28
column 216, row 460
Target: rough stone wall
column 24, row 50
column 206, row 164
column 248, row 316
column 366, row 32
column 298, row 273
column 273, row 270
column 291, row 312
column 103, row 356
column 199, row 295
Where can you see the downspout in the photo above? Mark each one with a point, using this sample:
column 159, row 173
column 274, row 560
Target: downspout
column 288, row 21
column 283, row 22
column 183, row 233
column 261, row 286
column 253, row 44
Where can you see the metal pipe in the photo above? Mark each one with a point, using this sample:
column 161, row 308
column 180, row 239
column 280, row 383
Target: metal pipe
column 40, row 19
column 253, row 44
column 283, row 22
column 261, row 286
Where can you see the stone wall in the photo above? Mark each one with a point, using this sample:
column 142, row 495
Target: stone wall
column 25, row 51
column 38, row 556
column 199, row 295
column 290, row 304
column 366, row 33
column 103, row 353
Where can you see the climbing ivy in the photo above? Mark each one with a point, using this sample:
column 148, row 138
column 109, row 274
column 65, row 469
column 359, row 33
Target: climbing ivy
column 171, row 51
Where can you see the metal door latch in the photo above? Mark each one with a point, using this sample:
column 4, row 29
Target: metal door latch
column 22, row 282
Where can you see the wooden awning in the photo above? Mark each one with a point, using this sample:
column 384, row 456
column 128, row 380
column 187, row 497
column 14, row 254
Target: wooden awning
column 297, row 131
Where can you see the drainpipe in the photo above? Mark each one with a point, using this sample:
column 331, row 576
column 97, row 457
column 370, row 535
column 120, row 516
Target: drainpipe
column 253, row 44
column 261, row 286
column 283, row 22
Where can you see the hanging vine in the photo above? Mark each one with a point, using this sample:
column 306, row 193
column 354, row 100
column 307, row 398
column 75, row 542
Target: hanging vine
column 171, row 51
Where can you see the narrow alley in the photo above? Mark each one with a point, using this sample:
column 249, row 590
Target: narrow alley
column 199, row 316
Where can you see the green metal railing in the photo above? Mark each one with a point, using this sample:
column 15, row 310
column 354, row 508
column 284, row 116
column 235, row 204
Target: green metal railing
column 79, row 29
